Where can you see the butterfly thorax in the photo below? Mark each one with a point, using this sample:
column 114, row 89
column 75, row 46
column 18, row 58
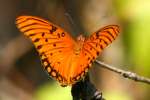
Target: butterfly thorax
column 79, row 45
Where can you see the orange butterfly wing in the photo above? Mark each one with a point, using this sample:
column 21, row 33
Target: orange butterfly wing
column 93, row 46
column 99, row 40
column 64, row 59
column 53, row 44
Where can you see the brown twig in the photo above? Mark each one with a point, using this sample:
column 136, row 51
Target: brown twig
column 126, row 74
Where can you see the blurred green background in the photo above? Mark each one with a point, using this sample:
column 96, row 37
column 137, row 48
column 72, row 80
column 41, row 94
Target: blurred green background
column 21, row 74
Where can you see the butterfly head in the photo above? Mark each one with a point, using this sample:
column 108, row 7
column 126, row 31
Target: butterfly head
column 79, row 45
column 81, row 38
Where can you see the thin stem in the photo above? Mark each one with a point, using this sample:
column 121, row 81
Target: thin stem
column 125, row 74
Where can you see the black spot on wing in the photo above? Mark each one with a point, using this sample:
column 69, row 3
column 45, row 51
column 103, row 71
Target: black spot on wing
column 36, row 40
column 39, row 46
column 54, row 44
column 46, row 40
column 43, row 34
column 62, row 34
column 53, row 29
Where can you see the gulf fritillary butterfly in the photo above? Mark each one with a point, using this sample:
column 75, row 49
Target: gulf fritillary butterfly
column 65, row 59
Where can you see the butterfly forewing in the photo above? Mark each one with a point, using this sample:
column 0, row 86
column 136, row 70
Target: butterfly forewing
column 52, row 42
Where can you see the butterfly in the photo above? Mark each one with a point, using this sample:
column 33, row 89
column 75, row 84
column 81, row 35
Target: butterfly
column 65, row 59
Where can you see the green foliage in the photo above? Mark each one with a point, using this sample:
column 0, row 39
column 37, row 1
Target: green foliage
column 52, row 91
column 136, row 21
column 116, row 95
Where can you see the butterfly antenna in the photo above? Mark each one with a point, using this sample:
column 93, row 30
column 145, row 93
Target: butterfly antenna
column 70, row 19
column 73, row 24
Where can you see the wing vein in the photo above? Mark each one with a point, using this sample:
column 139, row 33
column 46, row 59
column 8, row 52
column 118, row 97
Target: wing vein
column 92, row 46
column 29, row 18
column 35, row 29
column 32, row 24
column 87, row 51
